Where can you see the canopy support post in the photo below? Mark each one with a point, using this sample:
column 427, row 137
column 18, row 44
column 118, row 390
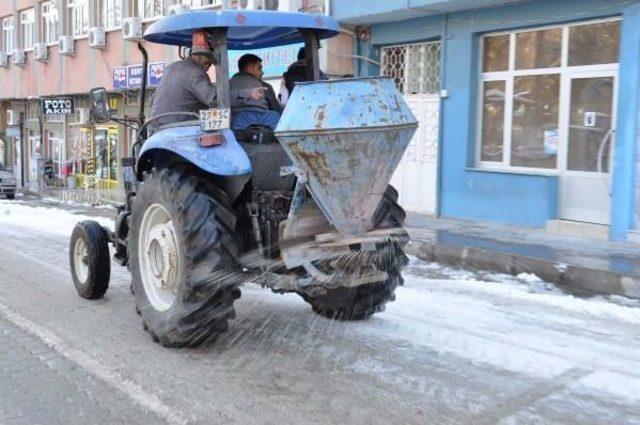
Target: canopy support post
column 312, row 54
column 220, row 53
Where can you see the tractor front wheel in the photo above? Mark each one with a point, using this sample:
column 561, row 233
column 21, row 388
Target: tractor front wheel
column 89, row 258
column 181, row 251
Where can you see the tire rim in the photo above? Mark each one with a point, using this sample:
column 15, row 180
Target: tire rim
column 159, row 255
column 81, row 260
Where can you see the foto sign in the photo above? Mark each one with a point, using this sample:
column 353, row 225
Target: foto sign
column 58, row 105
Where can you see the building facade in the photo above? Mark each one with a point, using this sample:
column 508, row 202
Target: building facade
column 535, row 103
column 55, row 51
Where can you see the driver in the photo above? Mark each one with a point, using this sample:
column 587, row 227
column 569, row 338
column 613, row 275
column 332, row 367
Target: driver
column 186, row 86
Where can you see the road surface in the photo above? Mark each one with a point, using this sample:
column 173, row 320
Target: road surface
column 456, row 347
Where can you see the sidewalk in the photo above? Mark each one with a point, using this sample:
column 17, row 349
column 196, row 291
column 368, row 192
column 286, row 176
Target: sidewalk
column 580, row 265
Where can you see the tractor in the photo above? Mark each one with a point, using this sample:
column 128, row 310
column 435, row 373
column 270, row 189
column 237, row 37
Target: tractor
column 305, row 208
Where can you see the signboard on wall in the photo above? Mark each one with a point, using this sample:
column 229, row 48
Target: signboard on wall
column 58, row 105
column 275, row 60
column 120, row 77
column 134, row 76
column 156, row 72
column 130, row 77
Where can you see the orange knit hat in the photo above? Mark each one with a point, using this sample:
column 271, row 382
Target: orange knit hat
column 201, row 44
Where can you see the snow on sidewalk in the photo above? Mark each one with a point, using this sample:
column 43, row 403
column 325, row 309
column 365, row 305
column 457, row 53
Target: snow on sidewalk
column 46, row 220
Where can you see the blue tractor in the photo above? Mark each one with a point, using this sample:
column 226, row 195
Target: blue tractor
column 306, row 208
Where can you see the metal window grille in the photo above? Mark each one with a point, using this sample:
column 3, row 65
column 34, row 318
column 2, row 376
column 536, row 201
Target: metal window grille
column 414, row 67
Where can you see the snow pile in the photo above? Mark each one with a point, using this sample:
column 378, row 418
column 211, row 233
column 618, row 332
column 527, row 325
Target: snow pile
column 46, row 220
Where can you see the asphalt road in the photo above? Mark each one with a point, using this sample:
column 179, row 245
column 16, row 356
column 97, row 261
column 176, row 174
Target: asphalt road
column 454, row 348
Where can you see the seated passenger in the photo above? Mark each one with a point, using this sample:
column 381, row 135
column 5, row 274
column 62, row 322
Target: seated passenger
column 296, row 73
column 253, row 101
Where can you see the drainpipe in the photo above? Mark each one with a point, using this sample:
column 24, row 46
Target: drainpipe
column 443, row 86
column 22, row 150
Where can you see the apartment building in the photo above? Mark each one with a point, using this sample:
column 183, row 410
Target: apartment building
column 53, row 52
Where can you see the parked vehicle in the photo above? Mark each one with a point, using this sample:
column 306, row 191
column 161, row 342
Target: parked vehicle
column 306, row 209
column 7, row 183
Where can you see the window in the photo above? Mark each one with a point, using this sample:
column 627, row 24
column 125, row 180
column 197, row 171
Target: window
column 199, row 4
column 49, row 22
column 33, row 110
column 415, row 68
column 149, row 9
column 27, row 28
column 77, row 17
column 110, row 14
column 8, row 40
column 520, row 89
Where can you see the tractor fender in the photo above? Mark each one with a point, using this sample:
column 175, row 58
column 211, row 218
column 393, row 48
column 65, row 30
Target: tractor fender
column 227, row 159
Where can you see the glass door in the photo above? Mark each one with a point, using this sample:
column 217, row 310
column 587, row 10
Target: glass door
column 585, row 174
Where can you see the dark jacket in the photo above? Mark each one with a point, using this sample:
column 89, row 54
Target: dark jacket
column 185, row 87
column 241, row 86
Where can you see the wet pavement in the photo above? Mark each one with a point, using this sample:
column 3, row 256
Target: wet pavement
column 456, row 347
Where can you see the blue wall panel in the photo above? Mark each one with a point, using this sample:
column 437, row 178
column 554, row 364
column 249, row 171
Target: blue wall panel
column 623, row 199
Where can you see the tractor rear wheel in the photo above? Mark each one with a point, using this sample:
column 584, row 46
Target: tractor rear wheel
column 361, row 302
column 182, row 257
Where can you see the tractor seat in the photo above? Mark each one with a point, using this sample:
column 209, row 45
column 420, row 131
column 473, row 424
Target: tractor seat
column 256, row 134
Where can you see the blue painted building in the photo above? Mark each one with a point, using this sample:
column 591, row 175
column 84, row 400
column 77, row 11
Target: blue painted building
column 539, row 101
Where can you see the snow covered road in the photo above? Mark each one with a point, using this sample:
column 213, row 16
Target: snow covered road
column 456, row 347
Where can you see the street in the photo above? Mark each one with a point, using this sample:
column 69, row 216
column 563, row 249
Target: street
column 455, row 347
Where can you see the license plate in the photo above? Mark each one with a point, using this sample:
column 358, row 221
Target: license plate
column 215, row 119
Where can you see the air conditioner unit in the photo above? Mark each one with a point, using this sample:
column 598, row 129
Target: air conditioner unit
column 84, row 116
column 132, row 29
column 177, row 9
column 19, row 57
column 97, row 38
column 67, row 45
column 4, row 60
column 41, row 52
column 13, row 117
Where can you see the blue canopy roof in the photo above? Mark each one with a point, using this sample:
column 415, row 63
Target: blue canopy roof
column 248, row 29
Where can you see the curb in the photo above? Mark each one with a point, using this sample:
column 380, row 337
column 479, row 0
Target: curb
column 579, row 280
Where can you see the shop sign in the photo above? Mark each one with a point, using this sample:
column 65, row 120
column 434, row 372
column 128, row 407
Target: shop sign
column 134, row 76
column 61, row 106
column 130, row 77
column 275, row 60
column 156, row 72
column 120, row 77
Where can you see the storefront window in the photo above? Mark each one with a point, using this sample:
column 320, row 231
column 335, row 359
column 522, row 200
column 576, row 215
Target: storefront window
column 493, row 120
column 535, row 112
column 539, row 49
column 3, row 154
column 594, row 43
column 520, row 92
column 106, row 154
column 496, row 53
